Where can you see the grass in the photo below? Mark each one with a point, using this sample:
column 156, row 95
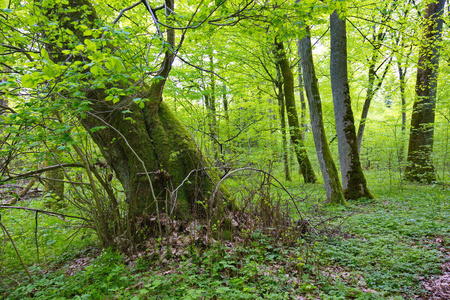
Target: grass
column 378, row 249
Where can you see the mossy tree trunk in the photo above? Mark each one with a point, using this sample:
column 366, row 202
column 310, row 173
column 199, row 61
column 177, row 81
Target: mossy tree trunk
column 330, row 174
column 420, row 163
column 54, row 183
column 294, row 126
column 282, row 111
column 353, row 180
column 301, row 87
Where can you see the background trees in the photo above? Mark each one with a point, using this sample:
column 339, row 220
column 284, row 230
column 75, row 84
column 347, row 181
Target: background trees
column 420, row 167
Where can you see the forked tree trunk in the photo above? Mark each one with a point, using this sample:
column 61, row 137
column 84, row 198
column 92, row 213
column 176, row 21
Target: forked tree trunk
column 420, row 162
column 330, row 174
column 294, row 126
column 371, row 90
column 152, row 154
column 353, row 180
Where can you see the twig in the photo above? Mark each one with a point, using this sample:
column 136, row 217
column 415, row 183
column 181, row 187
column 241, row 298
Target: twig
column 50, row 213
column 7, row 108
column 197, row 67
column 124, row 10
column 42, row 170
column 17, row 252
column 21, row 193
column 36, row 235
column 302, row 215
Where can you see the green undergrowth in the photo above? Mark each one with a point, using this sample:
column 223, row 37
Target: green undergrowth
column 371, row 249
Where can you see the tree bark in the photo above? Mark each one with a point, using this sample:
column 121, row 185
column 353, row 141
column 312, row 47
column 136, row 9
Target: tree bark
column 353, row 180
column 301, row 87
column 54, row 182
column 402, row 80
column 420, row 150
column 330, row 175
column 282, row 110
column 294, row 126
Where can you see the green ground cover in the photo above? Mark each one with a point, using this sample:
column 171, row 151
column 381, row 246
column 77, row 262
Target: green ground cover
column 380, row 249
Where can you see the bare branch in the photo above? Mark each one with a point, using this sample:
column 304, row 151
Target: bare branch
column 49, row 168
column 50, row 213
column 124, row 10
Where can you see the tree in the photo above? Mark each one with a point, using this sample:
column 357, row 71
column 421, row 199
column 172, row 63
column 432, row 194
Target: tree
column 353, row 180
column 152, row 154
column 330, row 175
column 282, row 111
column 294, row 126
column 420, row 163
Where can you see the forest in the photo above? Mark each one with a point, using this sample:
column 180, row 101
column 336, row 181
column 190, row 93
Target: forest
column 226, row 149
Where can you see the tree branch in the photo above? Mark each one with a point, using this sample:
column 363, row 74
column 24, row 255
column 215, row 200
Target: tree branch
column 124, row 10
column 50, row 213
column 49, row 168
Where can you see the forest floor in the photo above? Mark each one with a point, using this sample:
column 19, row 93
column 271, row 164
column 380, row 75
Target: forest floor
column 396, row 246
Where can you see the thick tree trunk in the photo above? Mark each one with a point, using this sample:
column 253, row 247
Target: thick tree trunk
column 294, row 126
column 156, row 144
column 330, row 175
column 353, row 180
column 282, row 110
column 420, row 162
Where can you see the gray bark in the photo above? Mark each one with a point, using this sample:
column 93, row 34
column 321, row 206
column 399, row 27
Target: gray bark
column 353, row 180
column 329, row 171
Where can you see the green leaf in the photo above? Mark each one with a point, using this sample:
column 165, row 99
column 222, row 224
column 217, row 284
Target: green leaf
column 90, row 45
column 94, row 129
column 80, row 47
column 44, row 54
column 115, row 64
column 96, row 70
column 28, row 81
column 49, row 71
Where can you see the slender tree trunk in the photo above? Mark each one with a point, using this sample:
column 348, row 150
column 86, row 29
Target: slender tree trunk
column 282, row 110
column 294, row 126
column 212, row 109
column 330, row 175
column 371, row 90
column 420, row 162
column 353, row 180
column 301, row 87
column 402, row 79
column 369, row 96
